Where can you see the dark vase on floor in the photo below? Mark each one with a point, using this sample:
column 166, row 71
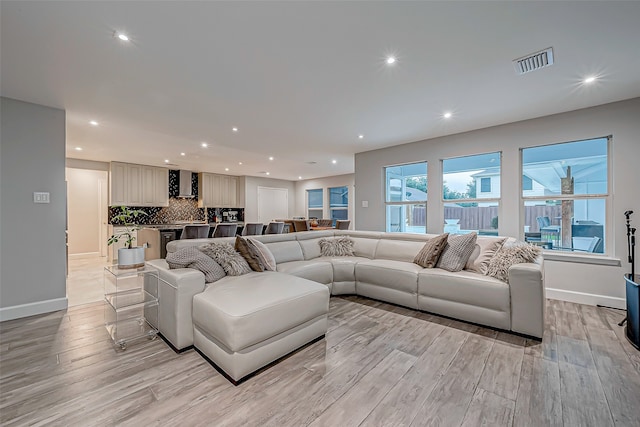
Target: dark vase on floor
column 633, row 310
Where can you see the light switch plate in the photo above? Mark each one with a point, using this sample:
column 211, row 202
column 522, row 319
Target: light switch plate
column 365, row 203
column 39, row 197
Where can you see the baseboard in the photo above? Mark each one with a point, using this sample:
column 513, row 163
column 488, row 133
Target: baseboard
column 585, row 298
column 85, row 255
column 33, row 308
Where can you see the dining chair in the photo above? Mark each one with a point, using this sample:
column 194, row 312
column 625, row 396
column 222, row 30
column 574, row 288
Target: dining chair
column 275, row 227
column 343, row 224
column 325, row 222
column 225, row 230
column 301, row 225
column 195, row 231
column 252, row 229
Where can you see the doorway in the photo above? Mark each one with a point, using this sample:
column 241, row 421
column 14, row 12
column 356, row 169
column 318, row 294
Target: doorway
column 87, row 225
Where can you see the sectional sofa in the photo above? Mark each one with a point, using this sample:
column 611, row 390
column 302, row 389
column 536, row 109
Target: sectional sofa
column 382, row 268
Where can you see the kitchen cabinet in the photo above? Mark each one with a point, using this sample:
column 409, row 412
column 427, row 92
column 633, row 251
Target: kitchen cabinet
column 217, row 191
column 138, row 185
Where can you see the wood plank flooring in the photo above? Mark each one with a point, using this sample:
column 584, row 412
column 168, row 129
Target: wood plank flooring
column 379, row 365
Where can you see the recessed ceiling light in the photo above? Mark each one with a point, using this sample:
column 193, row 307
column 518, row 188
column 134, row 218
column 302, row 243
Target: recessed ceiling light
column 204, row 145
column 268, row 173
column 234, row 129
column 226, row 169
column 447, row 115
column 94, row 123
column 334, row 161
column 239, row 163
column 123, row 37
column 391, row 60
column 166, row 160
column 360, row 136
column 183, row 154
column 78, row 148
column 270, row 157
column 299, row 177
column 590, row 79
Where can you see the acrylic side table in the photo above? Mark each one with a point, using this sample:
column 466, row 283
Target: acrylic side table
column 131, row 303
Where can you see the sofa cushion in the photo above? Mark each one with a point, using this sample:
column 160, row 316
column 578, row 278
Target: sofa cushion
column 399, row 275
column 225, row 255
column 263, row 253
column 464, row 287
column 338, row 246
column 317, row 270
column 247, row 252
column 457, row 251
column 486, row 247
column 241, row 311
column 286, row 251
column 398, row 250
column 431, row 251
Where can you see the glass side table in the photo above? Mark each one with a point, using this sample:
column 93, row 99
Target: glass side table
column 131, row 303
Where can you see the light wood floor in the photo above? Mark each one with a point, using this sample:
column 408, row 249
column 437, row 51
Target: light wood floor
column 379, row 365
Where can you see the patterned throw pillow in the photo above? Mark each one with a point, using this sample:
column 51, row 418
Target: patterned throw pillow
column 429, row 254
column 511, row 255
column 242, row 246
column 224, row 254
column 457, row 251
column 191, row 257
column 485, row 249
column 340, row 246
column 263, row 253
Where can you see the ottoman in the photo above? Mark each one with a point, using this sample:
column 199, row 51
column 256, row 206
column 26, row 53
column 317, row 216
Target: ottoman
column 243, row 323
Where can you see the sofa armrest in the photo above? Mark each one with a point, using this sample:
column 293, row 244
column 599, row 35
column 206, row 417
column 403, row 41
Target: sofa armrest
column 176, row 289
column 528, row 301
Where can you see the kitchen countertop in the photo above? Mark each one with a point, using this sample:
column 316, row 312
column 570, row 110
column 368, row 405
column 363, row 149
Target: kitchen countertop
column 181, row 226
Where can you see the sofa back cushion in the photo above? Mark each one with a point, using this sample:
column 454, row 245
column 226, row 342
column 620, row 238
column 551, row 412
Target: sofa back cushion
column 398, row 250
column 310, row 242
column 286, row 251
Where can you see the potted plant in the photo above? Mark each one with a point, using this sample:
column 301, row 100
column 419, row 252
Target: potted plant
column 129, row 256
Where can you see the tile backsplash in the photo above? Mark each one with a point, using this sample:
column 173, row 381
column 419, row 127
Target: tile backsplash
column 179, row 209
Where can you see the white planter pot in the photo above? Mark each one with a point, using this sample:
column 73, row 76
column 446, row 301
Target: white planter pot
column 131, row 258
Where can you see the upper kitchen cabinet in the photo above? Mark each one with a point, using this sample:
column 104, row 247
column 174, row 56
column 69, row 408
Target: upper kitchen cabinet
column 138, row 185
column 217, row 191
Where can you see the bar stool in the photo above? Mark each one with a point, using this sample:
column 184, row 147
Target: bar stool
column 225, row 230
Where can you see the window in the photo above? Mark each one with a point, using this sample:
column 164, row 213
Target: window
column 485, row 185
column 314, row 203
column 465, row 209
column 565, row 208
column 339, row 203
column 406, row 198
column 527, row 183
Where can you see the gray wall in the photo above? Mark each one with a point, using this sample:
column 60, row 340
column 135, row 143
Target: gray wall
column 32, row 240
column 571, row 281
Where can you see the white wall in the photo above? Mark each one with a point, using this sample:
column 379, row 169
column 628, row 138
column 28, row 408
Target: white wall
column 563, row 279
column 325, row 183
column 87, row 201
column 251, row 184
column 32, row 238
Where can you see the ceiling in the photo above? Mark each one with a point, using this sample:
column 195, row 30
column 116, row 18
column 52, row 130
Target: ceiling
column 301, row 80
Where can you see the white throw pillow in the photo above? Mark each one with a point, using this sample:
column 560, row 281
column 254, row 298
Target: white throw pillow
column 267, row 259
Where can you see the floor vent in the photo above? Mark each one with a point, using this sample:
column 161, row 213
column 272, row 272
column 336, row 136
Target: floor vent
column 533, row 62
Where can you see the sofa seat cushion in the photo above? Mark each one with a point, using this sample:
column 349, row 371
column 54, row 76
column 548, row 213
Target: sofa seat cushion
column 317, row 270
column 245, row 310
column 464, row 287
column 398, row 275
column 344, row 267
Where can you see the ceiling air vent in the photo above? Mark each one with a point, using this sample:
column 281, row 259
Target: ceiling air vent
column 533, row 62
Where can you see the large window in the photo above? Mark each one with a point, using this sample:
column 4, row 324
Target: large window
column 406, row 198
column 565, row 206
column 314, row 203
column 339, row 203
column 465, row 208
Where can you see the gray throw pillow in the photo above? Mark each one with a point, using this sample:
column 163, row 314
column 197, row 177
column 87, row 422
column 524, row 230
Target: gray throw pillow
column 263, row 253
column 191, row 257
column 511, row 255
column 431, row 251
column 340, row 246
column 244, row 249
column 457, row 251
column 225, row 255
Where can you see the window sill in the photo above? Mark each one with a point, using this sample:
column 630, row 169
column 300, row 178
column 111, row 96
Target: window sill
column 581, row 258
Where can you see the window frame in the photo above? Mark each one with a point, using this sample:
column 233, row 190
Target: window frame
column 338, row 208
column 607, row 228
column 403, row 203
column 309, row 208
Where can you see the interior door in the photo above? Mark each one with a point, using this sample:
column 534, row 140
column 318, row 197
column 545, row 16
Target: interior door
column 273, row 203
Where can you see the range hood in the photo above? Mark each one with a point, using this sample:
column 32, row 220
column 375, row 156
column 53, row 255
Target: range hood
column 184, row 184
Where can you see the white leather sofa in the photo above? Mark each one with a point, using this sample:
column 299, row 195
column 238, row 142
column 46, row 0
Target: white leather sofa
column 382, row 269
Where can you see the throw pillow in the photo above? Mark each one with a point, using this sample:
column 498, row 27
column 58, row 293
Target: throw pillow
column 508, row 256
column 457, row 251
column 224, row 254
column 191, row 257
column 261, row 250
column 242, row 246
column 340, row 246
column 485, row 249
column 429, row 254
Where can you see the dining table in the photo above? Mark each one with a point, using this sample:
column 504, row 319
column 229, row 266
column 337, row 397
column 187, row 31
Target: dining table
column 318, row 228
